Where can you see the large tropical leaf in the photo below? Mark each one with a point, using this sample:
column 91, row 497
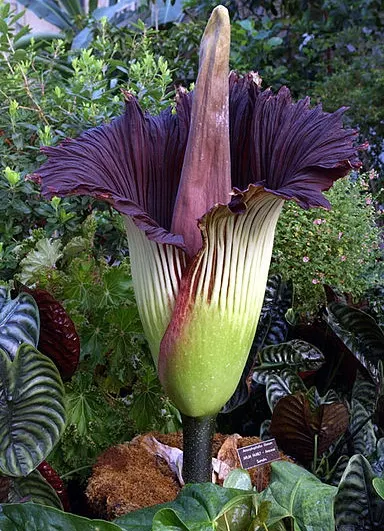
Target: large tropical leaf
column 295, row 425
column 281, row 384
column 58, row 337
column 32, row 414
column 198, row 507
column 296, row 354
column 360, row 334
column 33, row 488
column 357, row 506
column 19, row 321
column 271, row 330
column 34, row 517
column 294, row 492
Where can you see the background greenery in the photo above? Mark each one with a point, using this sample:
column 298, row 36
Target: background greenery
column 76, row 248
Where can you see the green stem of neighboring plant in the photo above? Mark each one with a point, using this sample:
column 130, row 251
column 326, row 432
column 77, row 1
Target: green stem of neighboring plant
column 197, row 448
column 315, row 446
column 75, row 470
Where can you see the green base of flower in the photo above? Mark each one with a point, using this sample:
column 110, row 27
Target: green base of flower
column 197, row 448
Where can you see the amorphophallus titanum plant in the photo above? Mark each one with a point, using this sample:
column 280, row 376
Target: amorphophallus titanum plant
column 201, row 190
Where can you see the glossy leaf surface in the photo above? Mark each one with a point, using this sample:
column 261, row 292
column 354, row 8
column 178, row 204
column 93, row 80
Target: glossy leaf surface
column 360, row 334
column 294, row 492
column 34, row 517
column 19, row 322
column 357, row 506
column 197, row 507
column 32, row 413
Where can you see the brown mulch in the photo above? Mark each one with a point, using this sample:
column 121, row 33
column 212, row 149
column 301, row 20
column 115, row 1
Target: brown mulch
column 127, row 477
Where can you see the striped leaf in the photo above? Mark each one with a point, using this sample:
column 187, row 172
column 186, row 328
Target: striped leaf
column 357, row 506
column 364, row 437
column 19, row 321
column 32, row 414
column 297, row 355
column 287, row 382
column 360, row 334
column 33, row 488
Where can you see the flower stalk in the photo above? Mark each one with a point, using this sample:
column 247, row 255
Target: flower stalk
column 197, row 448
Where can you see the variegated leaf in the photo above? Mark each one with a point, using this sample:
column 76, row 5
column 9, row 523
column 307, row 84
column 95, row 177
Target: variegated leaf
column 32, row 413
column 19, row 321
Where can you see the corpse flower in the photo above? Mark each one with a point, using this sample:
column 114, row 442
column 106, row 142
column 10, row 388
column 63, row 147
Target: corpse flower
column 201, row 191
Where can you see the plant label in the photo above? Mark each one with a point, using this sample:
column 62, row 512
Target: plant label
column 258, row 454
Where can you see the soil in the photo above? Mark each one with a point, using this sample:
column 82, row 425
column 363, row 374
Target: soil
column 127, row 477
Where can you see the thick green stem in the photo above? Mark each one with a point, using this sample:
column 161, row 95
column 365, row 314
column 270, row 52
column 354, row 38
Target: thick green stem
column 197, row 448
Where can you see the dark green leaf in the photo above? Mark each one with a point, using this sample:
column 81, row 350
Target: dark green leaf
column 198, row 507
column 364, row 438
column 23, row 516
column 357, row 506
column 32, row 413
column 360, row 334
column 34, row 488
column 167, row 520
column 298, row 355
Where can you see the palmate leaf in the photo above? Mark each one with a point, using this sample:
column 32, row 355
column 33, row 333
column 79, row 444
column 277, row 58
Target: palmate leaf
column 34, row 488
column 297, row 355
column 357, row 506
column 295, row 425
column 32, row 414
column 271, row 330
column 360, row 334
column 45, row 255
column 19, row 321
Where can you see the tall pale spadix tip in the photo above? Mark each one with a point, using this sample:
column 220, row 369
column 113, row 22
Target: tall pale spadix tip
column 206, row 178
